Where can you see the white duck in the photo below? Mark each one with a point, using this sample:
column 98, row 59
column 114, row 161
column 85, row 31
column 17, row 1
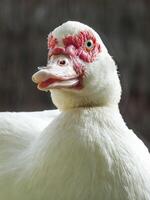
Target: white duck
column 87, row 151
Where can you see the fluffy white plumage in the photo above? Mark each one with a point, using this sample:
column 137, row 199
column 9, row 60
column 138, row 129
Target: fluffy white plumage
column 86, row 152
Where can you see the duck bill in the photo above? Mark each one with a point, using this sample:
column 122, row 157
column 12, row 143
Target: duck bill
column 57, row 74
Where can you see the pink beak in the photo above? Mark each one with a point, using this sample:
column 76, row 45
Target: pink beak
column 59, row 73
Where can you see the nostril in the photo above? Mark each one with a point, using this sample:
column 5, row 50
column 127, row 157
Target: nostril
column 61, row 62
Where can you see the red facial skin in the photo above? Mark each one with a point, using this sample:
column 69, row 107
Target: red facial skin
column 51, row 42
column 75, row 48
column 78, row 41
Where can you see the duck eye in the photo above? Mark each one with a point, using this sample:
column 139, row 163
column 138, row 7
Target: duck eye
column 89, row 44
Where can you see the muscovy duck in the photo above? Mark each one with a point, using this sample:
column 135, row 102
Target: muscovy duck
column 87, row 151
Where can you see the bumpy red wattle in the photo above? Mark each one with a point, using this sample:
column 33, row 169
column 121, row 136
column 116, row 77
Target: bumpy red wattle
column 78, row 41
column 74, row 47
column 52, row 42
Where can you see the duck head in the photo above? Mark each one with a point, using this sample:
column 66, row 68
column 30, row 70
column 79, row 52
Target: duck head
column 79, row 71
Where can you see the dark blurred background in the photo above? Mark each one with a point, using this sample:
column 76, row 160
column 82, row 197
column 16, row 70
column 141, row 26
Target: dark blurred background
column 124, row 26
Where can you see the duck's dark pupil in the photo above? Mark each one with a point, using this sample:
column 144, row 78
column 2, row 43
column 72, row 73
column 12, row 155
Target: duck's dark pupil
column 89, row 44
